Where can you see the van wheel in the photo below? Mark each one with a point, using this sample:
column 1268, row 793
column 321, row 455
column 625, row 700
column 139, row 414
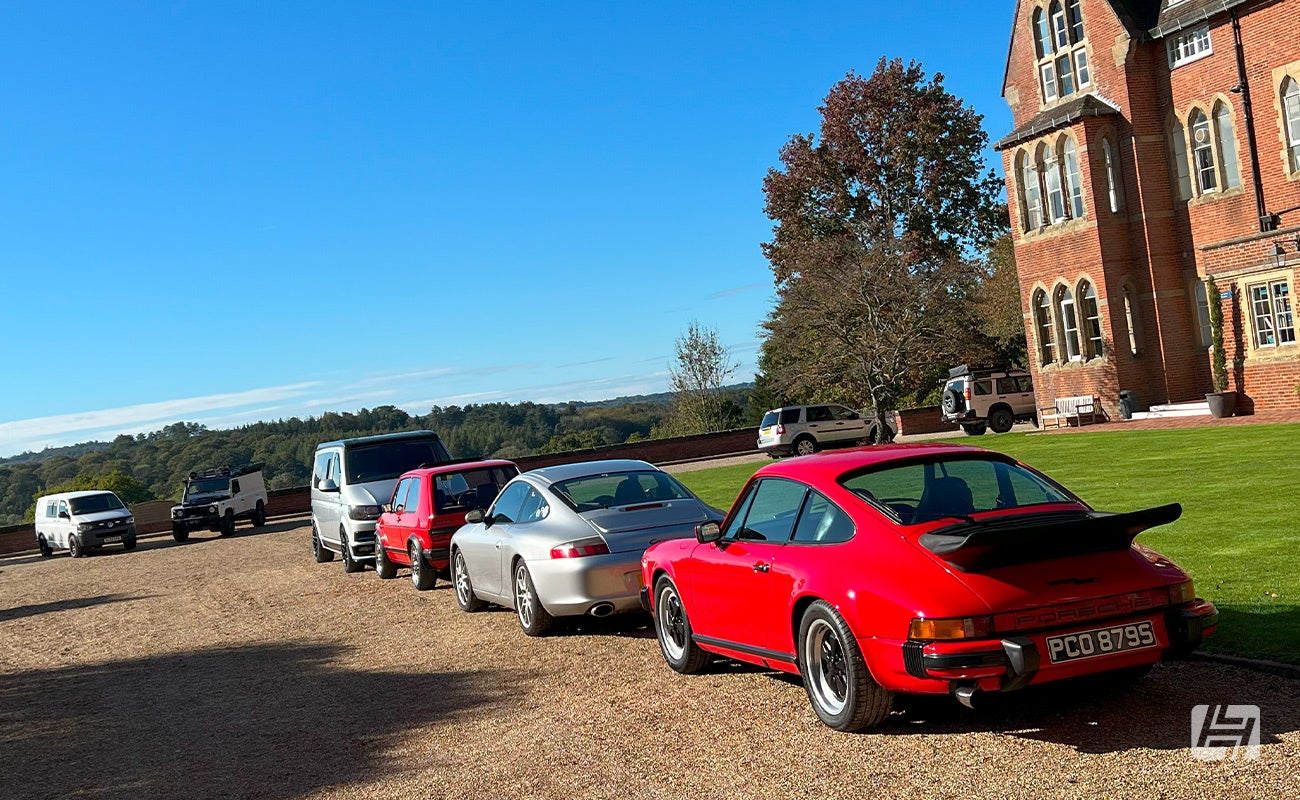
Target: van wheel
column 75, row 548
column 228, row 523
column 319, row 551
column 180, row 533
column 44, row 547
column 1001, row 419
column 259, row 515
column 350, row 564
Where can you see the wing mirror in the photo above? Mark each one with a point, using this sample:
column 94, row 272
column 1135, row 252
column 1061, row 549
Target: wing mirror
column 64, row 515
column 707, row 532
column 478, row 515
column 328, row 485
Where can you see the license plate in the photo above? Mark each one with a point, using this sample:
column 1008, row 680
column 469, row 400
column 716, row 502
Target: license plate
column 764, row 431
column 1101, row 642
column 110, row 538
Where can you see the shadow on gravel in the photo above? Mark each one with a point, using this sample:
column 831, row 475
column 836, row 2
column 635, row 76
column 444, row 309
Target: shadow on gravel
column 266, row 721
column 1099, row 716
column 36, row 609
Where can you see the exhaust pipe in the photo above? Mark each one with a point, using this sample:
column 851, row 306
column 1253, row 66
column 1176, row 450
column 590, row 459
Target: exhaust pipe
column 601, row 610
column 966, row 695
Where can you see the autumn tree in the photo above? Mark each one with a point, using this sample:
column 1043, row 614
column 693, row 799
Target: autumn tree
column 701, row 369
column 879, row 223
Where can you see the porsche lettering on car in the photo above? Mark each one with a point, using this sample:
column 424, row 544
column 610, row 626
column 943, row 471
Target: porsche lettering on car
column 927, row 569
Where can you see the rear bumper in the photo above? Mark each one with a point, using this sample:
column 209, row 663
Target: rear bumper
column 1015, row 662
column 572, row 586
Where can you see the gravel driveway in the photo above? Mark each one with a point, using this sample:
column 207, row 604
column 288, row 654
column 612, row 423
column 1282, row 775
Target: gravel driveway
column 239, row 668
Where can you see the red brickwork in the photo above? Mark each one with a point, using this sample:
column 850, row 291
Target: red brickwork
column 1157, row 245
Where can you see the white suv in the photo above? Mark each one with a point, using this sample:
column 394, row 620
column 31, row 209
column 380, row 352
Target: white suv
column 987, row 398
column 801, row 430
column 215, row 498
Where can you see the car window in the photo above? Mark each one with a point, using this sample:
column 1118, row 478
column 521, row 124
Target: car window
column 840, row 412
column 381, row 461
column 790, row 416
column 506, row 508
column 51, row 509
column 591, row 492
column 983, row 387
column 819, row 413
column 1008, row 386
column 534, row 508
column 413, row 495
column 399, row 495
column 63, row 507
column 822, row 522
column 321, row 468
column 769, row 419
column 471, row 488
column 771, row 514
column 1025, row 383
column 95, row 503
column 234, row 487
column 737, row 520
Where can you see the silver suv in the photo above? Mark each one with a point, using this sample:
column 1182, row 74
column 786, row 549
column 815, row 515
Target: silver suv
column 987, row 398
column 806, row 429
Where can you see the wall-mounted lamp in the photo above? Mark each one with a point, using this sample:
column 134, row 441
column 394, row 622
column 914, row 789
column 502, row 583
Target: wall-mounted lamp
column 1278, row 253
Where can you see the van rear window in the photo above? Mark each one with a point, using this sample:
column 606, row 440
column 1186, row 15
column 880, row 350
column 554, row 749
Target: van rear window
column 384, row 461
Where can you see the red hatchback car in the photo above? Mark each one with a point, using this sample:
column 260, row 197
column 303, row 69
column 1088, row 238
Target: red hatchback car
column 922, row 569
column 427, row 507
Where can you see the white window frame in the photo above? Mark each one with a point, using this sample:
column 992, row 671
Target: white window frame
column 1072, row 181
column 1182, row 173
column 1130, row 319
column 1225, row 145
column 1062, row 53
column 1091, row 309
column 1068, row 323
column 1201, row 300
column 1189, row 46
column 1043, row 326
column 1291, row 121
column 1054, row 192
column 1112, row 180
column 1207, row 170
column 1030, row 192
column 1271, row 313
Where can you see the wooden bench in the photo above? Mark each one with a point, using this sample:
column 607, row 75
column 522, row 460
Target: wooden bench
column 1081, row 410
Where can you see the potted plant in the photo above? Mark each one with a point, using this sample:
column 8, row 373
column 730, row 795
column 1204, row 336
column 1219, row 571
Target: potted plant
column 1222, row 402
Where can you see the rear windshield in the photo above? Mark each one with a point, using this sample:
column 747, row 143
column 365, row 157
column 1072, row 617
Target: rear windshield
column 937, row 489
column 769, row 419
column 384, row 461
column 95, row 503
column 471, row 488
column 619, row 489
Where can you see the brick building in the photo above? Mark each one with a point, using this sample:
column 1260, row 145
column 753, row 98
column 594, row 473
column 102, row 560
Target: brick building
column 1156, row 143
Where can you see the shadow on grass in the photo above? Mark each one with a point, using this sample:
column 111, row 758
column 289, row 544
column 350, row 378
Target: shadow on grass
column 1270, row 633
column 266, row 721
column 36, row 609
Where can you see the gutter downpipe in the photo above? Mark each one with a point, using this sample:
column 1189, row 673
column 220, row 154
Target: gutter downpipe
column 1265, row 222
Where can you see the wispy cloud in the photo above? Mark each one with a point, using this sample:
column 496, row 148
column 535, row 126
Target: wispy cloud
column 749, row 287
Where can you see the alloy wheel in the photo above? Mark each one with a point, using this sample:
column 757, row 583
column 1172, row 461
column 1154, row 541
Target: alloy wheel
column 828, row 670
column 523, row 597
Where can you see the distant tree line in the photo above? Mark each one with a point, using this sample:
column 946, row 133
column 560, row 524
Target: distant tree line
column 154, row 465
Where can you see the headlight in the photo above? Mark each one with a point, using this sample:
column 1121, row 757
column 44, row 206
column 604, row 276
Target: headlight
column 364, row 512
column 212, row 509
column 176, row 513
column 130, row 520
column 82, row 527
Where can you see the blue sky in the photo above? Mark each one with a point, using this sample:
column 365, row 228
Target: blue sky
column 223, row 212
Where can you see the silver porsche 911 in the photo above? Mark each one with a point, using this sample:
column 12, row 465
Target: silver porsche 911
column 567, row 540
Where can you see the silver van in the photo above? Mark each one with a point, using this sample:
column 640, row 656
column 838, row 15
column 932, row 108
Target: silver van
column 351, row 479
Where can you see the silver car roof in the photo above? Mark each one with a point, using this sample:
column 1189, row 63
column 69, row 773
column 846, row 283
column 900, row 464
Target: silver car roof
column 564, row 472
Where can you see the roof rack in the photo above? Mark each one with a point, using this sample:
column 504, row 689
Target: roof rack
column 967, row 369
column 228, row 471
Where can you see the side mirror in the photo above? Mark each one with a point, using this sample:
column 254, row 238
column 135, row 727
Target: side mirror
column 475, row 516
column 64, row 515
column 707, row 532
column 388, row 508
column 328, row 485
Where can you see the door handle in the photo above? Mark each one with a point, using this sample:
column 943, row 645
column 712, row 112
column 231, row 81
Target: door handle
column 761, row 567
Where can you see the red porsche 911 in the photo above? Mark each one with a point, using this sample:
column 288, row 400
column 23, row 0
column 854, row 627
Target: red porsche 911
column 919, row 569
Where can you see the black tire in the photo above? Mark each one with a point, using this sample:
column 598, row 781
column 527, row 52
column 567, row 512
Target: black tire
column 804, row 446
column 465, row 597
column 384, row 568
column 533, row 618
column 835, row 675
column 673, row 631
column 974, row 429
column 423, row 576
column 259, row 515
column 228, row 523
column 350, row 564
column 44, row 547
column 75, row 548
column 1001, row 419
column 180, row 533
column 128, row 542
column 952, row 401
column 319, row 551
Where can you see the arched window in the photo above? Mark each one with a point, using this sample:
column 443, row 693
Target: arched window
column 1061, row 47
column 1068, row 323
column 1052, row 180
column 1227, row 146
column 1043, row 327
column 1291, row 109
column 1031, row 198
column 1131, row 320
column 1114, row 193
column 1203, row 152
column 1091, row 320
column 1201, row 302
column 1178, row 149
column 1073, row 187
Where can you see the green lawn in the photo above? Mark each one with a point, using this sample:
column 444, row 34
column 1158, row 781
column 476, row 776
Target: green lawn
column 1239, row 536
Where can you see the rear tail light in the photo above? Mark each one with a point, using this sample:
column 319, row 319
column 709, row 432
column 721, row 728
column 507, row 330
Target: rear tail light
column 966, row 392
column 587, row 547
column 947, row 629
column 780, row 430
column 1180, row 593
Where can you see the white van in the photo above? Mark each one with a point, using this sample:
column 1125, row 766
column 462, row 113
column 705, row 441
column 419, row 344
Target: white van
column 352, row 479
column 82, row 521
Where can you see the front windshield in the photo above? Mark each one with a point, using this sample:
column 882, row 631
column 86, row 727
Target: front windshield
column 95, row 503
column 619, row 489
column 952, row 488
column 198, row 486
column 384, row 461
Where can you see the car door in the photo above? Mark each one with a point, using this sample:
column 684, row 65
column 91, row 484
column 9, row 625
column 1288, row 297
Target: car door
column 63, row 524
column 847, row 425
column 325, row 505
column 734, row 602
column 482, row 545
column 391, row 530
